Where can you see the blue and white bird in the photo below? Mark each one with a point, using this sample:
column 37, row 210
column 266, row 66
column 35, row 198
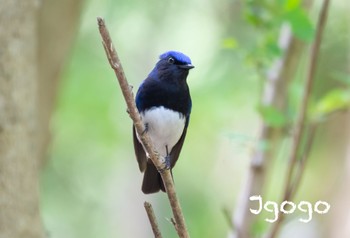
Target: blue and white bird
column 164, row 102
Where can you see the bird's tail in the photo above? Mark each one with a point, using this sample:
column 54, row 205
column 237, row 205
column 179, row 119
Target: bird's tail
column 152, row 181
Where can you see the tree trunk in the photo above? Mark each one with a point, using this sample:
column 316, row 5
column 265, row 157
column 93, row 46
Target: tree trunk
column 35, row 40
column 19, row 206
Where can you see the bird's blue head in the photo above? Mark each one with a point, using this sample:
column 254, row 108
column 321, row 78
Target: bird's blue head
column 177, row 58
column 173, row 65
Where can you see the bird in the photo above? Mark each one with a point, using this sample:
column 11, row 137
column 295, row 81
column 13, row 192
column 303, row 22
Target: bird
column 164, row 103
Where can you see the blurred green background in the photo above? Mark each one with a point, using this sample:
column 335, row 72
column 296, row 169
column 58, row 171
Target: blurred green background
column 91, row 182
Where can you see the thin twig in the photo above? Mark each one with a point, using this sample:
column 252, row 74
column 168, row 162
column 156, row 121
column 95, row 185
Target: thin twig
column 274, row 95
column 302, row 162
column 301, row 120
column 153, row 220
column 173, row 222
column 299, row 128
column 139, row 126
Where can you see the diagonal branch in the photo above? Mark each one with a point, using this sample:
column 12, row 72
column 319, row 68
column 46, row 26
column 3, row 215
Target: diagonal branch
column 302, row 161
column 301, row 120
column 275, row 90
column 139, row 126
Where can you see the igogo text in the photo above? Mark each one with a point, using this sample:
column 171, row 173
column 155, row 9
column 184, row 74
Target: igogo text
column 288, row 207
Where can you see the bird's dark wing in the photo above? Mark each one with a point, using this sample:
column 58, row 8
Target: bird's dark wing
column 175, row 152
column 139, row 152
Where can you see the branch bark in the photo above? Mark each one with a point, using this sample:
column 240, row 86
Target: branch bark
column 153, row 220
column 115, row 63
column 301, row 120
column 19, row 163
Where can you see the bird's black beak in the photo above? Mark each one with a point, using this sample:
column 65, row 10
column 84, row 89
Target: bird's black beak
column 186, row 66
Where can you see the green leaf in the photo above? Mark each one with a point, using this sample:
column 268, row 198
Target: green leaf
column 336, row 99
column 300, row 23
column 272, row 116
column 291, row 4
column 230, row 43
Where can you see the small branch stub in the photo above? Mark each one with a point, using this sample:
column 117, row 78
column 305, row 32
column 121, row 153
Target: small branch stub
column 153, row 220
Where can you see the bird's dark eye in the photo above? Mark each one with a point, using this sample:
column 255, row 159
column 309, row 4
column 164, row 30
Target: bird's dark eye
column 171, row 60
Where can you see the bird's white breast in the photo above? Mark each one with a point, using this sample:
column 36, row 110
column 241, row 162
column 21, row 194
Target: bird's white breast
column 165, row 127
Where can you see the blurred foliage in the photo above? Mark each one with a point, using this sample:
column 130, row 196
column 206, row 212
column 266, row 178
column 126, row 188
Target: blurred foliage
column 335, row 100
column 268, row 16
column 272, row 116
column 91, row 184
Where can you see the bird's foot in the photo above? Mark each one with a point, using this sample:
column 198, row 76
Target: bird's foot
column 166, row 164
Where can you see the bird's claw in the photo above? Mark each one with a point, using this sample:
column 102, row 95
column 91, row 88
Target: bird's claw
column 166, row 163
